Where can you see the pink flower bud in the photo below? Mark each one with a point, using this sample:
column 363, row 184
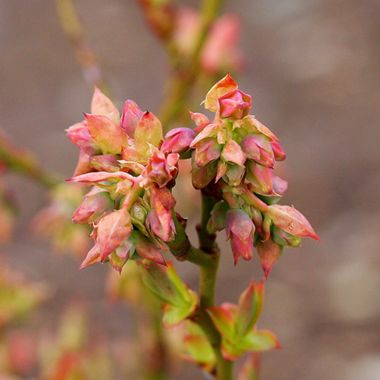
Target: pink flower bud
column 279, row 153
column 80, row 136
column 240, row 230
column 260, row 178
column 291, row 221
column 130, row 117
column 161, row 168
column 111, row 231
column 232, row 152
column 235, row 104
column 206, row 151
column 269, row 252
column 279, row 185
column 258, row 148
column 95, row 203
column 199, row 120
column 178, row 140
column 160, row 220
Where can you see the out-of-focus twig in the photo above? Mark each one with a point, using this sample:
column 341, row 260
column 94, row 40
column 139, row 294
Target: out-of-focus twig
column 23, row 162
column 182, row 80
column 72, row 27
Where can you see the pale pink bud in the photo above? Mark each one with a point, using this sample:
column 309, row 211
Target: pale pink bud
column 207, row 150
column 291, row 221
column 258, row 148
column 178, row 140
column 95, row 203
column 130, row 117
column 240, row 230
column 160, row 219
column 232, row 152
column 260, row 178
column 111, row 231
column 279, row 185
column 235, row 104
column 200, row 120
column 79, row 135
column 269, row 252
column 161, row 168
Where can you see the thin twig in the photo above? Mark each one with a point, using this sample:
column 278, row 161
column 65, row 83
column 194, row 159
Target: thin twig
column 72, row 27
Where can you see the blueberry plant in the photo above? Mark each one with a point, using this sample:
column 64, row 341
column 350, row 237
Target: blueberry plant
column 131, row 169
column 121, row 192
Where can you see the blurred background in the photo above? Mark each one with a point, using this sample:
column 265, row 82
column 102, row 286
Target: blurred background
column 312, row 67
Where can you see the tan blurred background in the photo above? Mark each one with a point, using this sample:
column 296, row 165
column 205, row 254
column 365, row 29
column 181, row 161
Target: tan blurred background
column 313, row 67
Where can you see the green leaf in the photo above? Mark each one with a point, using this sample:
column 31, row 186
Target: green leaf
column 249, row 308
column 148, row 132
column 259, row 340
column 223, row 318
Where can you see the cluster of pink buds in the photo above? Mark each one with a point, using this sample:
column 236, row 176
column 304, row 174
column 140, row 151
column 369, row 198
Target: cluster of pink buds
column 233, row 158
column 131, row 173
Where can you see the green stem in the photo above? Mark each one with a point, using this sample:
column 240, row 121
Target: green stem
column 23, row 162
column 207, row 286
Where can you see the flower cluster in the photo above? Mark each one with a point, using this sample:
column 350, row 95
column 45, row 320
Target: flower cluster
column 233, row 159
column 131, row 173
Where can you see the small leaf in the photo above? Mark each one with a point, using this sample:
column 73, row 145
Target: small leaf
column 249, row 308
column 101, row 105
column 148, row 132
column 223, row 318
column 224, row 86
column 107, row 135
column 260, row 340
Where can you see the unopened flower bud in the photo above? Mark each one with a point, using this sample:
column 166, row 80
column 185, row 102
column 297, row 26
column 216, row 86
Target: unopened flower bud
column 178, row 140
column 240, row 230
column 235, row 104
column 130, row 117
column 95, row 203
